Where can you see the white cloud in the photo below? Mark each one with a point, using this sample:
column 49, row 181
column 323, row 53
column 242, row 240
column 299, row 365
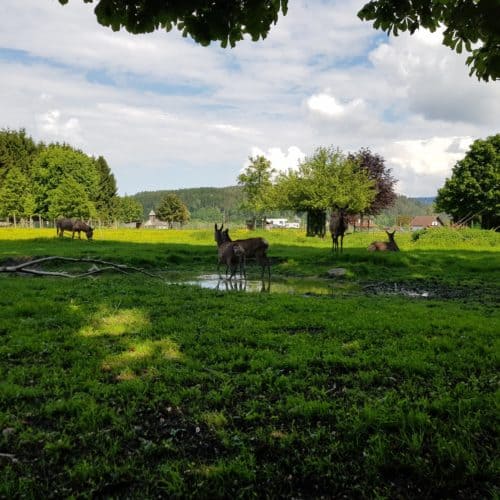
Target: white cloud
column 281, row 161
column 428, row 156
column 328, row 105
column 58, row 128
column 422, row 165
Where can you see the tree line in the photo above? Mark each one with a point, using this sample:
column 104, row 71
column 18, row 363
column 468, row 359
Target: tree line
column 47, row 181
column 362, row 184
column 327, row 180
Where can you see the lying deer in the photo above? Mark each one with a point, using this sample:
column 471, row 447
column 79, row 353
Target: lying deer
column 231, row 254
column 385, row 246
column 253, row 248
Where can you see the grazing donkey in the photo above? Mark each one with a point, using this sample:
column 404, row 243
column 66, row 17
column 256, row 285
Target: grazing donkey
column 254, row 248
column 74, row 226
column 338, row 227
column 230, row 254
column 385, row 246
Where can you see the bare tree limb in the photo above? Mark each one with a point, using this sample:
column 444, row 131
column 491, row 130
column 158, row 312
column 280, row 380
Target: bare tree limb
column 26, row 267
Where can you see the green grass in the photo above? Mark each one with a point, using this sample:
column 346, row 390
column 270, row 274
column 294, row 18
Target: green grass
column 124, row 386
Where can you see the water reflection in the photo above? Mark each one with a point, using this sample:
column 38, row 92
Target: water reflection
column 293, row 286
column 304, row 286
column 243, row 285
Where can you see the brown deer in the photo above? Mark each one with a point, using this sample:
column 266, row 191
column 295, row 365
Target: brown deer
column 76, row 226
column 338, row 227
column 254, row 248
column 385, row 246
column 230, row 254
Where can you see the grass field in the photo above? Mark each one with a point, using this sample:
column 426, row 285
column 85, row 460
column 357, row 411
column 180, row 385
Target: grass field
column 124, row 386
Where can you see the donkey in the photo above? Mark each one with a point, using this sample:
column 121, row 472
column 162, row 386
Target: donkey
column 254, row 248
column 230, row 254
column 338, row 227
column 385, row 246
column 74, row 226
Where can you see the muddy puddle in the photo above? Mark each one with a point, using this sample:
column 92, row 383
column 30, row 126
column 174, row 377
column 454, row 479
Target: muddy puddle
column 304, row 286
column 294, row 286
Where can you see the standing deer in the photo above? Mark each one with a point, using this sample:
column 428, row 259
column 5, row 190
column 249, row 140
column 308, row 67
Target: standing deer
column 385, row 246
column 253, row 248
column 338, row 227
column 230, row 254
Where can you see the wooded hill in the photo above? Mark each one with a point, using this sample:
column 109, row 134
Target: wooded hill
column 211, row 204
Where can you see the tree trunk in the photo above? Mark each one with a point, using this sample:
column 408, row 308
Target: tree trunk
column 316, row 223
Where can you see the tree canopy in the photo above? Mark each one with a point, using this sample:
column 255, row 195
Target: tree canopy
column 52, row 180
column 172, row 209
column 324, row 180
column 473, row 25
column 217, row 20
column 256, row 180
column 473, row 190
column 127, row 209
column 374, row 165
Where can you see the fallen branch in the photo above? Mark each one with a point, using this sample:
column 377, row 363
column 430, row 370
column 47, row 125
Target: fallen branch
column 26, row 267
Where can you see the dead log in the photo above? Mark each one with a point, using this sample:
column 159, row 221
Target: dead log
column 27, row 267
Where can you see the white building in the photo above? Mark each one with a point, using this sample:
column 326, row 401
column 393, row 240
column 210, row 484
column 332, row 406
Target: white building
column 281, row 224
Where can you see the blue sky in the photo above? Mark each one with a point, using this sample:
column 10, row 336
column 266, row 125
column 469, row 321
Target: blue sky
column 167, row 113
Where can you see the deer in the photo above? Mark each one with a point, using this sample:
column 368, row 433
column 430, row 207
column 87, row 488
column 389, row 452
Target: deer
column 385, row 246
column 229, row 253
column 338, row 227
column 76, row 226
column 253, row 248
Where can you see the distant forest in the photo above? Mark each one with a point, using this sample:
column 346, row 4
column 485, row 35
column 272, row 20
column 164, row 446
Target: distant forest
column 211, row 204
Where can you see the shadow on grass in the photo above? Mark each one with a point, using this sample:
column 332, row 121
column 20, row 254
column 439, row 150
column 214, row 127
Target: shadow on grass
column 125, row 386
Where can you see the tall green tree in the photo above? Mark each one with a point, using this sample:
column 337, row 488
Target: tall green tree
column 15, row 195
column 107, row 191
column 473, row 190
column 57, row 162
column 16, row 150
column 256, row 180
column 326, row 179
column 127, row 209
column 70, row 199
column 172, row 209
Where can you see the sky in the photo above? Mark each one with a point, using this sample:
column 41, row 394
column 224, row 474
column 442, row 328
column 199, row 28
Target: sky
column 167, row 113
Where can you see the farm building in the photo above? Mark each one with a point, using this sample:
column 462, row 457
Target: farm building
column 424, row 221
column 155, row 223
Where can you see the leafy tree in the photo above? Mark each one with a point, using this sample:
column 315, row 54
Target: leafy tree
column 172, row 209
column 474, row 186
column 15, row 195
column 127, row 209
column 203, row 21
column 16, row 150
column 374, row 166
column 469, row 24
column 472, row 25
column 256, row 183
column 70, row 199
column 325, row 180
column 57, row 162
column 107, row 191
